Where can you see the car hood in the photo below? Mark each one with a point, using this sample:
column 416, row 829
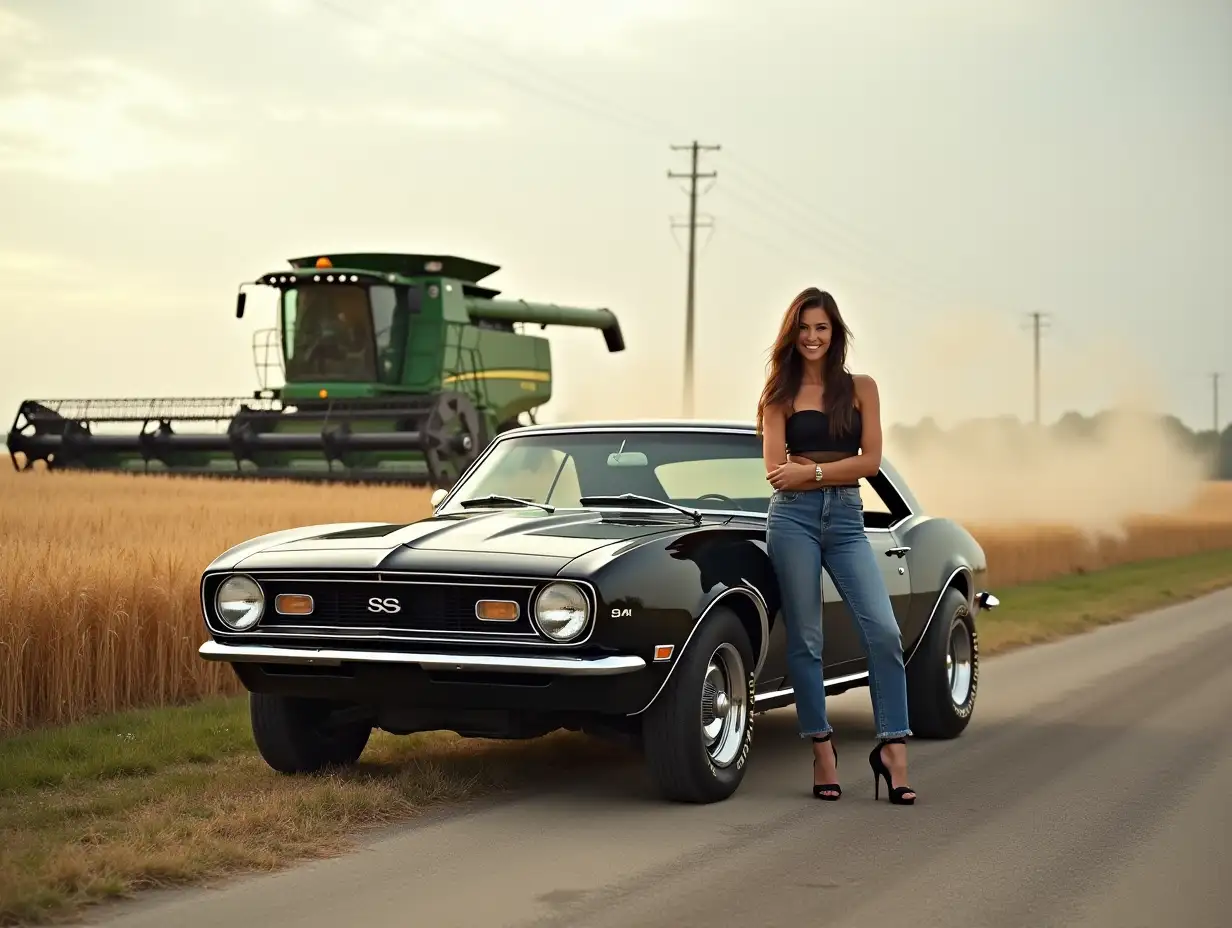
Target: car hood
column 503, row 538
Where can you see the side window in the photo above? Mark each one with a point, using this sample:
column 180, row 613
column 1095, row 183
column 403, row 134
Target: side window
column 873, row 503
column 384, row 302
column 878, row 511
column 292, row 334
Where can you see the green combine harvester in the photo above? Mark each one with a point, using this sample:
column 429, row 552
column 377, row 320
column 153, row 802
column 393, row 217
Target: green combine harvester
column 395, row 368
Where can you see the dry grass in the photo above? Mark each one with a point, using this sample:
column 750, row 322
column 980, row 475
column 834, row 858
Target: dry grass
column 162, row 798
column 1027, row 554
column 1052, row 609
column 98, row 575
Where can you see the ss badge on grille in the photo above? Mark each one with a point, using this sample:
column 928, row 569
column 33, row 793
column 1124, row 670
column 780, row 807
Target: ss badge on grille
column 376, row 604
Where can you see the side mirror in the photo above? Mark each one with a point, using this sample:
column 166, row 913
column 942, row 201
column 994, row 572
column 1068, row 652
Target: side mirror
column 239, row 304
column 437, row 495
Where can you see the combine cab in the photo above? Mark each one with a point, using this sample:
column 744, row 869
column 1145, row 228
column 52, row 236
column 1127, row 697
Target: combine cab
column 394, row 367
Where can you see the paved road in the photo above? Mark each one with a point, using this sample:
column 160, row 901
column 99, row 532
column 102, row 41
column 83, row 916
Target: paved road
column 1093, row 788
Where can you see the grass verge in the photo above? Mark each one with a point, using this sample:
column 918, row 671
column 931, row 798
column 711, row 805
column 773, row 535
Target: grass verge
column 1037, row 612
column 169, row 797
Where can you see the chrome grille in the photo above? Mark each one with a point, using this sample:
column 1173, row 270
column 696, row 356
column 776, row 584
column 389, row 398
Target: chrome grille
column 387, row 605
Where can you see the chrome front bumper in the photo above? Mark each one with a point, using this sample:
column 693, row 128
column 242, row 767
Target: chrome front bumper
column 985, row 600
column 327, row 657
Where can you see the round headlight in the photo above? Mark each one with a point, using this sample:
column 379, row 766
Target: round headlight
column 240, row 602
column 561, row 611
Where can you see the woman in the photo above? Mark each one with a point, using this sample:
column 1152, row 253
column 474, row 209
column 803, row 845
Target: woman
column 816, row 418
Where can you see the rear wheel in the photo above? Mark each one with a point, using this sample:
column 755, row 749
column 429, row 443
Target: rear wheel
column 299, row 735
column 943, row 675
column 697, row 735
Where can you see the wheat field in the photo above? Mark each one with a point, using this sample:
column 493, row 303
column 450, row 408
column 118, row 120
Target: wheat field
column 99, row 606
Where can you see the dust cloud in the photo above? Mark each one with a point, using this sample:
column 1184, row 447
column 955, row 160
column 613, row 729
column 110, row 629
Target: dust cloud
column 1002, row 473
column 1102, row 454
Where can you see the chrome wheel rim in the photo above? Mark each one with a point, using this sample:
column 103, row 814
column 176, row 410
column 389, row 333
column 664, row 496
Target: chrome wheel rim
column 959, row 662
column 724, row 706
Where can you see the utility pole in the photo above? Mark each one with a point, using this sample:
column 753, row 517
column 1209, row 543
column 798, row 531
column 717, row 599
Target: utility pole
column 693, row 177
column 1215, row 407
column 1038, row 320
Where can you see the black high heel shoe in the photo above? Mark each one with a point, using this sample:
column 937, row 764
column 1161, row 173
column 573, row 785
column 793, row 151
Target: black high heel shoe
column 827, row 791
column 897, row 795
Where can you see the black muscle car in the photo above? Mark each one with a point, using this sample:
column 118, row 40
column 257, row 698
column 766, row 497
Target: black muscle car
column 604, row 577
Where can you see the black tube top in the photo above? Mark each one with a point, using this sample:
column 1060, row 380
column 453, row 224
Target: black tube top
column 808, row 430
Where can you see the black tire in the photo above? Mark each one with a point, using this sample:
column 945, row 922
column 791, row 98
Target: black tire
column 673, row 736
column 941, row 703
column 295, row 735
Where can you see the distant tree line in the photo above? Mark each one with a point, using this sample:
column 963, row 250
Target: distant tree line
column 1216, row 449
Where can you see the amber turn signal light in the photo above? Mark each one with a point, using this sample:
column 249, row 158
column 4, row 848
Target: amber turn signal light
column 497, row 610
column 293, row 604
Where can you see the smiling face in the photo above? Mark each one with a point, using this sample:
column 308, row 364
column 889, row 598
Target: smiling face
column 811, row 342
column 813, row 334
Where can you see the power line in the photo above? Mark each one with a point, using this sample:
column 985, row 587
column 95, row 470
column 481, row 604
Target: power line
column 805, row 231
column 1038, row 321
column 521, row 75
column 695, row 148
column 815, row 218
column 559, row 93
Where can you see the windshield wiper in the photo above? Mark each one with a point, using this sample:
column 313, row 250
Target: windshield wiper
column 496, row 498
column 635, row 499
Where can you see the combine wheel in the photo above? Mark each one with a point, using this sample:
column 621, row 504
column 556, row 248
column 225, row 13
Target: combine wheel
column 454, row 434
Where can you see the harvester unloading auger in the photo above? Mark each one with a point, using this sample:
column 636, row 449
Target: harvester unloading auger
column 395, row 367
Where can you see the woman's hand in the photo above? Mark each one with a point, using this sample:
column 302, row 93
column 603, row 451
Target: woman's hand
column 791, row 475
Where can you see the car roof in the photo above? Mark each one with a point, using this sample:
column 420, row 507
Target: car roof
column 726, row 425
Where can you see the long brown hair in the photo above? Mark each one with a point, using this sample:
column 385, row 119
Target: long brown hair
column 786, row 368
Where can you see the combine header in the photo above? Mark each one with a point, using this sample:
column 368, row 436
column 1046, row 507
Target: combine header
column 395, row 368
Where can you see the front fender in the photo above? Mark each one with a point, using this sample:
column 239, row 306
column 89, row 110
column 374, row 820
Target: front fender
column 660, row 590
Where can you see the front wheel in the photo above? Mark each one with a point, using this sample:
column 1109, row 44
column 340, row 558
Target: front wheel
column 943, row 675
column 298, row 735
column 698, row 734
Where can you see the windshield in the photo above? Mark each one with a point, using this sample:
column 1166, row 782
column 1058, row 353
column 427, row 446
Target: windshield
column 328, row 333
column 696, row 469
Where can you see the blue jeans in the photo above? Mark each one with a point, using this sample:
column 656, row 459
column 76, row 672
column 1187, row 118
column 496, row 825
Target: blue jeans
column 809, row 529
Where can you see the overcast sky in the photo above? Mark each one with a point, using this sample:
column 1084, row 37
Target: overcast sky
column 943, row 167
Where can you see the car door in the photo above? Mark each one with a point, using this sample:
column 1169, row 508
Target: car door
column 843, row 650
